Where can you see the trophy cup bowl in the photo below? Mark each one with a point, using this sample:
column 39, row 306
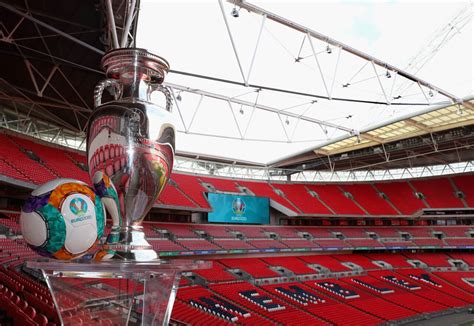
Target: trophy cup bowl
column 130, row 148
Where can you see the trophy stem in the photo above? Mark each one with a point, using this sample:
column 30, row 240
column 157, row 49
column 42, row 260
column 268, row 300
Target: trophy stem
column 127, row 243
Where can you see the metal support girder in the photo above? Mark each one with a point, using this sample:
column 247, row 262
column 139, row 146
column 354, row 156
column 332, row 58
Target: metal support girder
column 264, row 17
column 258, row 106
column 111, row 23
column 380, row 83
column 130, row 17
column 51, row 28
column 318, row 65
column 303, row 29
column 8, row 38
column 221, row 5
column 48, row 104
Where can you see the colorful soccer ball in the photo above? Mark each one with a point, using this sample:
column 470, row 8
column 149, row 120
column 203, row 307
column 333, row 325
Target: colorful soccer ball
column 62, row 219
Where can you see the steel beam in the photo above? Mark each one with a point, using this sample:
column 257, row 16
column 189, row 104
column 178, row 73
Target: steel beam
column 303, row 29
column 258, row 106
column 51, row 28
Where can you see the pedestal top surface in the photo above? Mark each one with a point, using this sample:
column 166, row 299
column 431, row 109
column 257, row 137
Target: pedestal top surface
column 115, row 266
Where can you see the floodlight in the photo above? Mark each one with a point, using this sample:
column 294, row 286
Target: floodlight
column 234, row 12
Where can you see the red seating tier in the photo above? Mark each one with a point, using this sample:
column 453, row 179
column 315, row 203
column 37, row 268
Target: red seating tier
column 402, row 196
column 368, row 198
column 221, row 184
column 464, row 183
column 252, row 266
column 265, row 190
column 438, row 193
column 335, row 198
column 300, row 196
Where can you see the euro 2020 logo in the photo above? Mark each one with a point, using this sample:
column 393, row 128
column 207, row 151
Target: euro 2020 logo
column 238, row 206
column 78, row 206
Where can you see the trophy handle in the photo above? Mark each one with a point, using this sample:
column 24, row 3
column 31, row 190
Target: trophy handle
column 165, row 90
column 103, row 84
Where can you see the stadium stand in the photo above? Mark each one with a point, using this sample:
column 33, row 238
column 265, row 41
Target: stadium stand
column 438, row 193
column 266, row 190
column 367, row 197
column 187, row 191
column 334, row 197
column 299, row 195
column 290, row 281
column 402, row 196
column 464, row 184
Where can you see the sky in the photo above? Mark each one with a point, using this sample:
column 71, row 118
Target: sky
column 192, row 36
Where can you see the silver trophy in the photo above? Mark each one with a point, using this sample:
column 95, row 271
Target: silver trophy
column 130, row 148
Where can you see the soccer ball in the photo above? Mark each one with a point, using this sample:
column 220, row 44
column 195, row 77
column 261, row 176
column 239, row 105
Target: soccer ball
column 105, row 189
column 62, row 219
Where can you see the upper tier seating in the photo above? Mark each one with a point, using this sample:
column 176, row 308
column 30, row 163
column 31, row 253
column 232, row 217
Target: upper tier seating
column 464, row 183
column 265, row 190
column 188, row 192
column 368, row 198
column 55, row 159
column 225, row 185
column 31, row 169
column 332, row 196
column 299, row 195
column 191, row 187
column 402, row 196
column 171, row 196
column 438, row 193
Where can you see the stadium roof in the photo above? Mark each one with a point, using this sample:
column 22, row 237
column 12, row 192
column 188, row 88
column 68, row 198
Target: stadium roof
column 262, row 88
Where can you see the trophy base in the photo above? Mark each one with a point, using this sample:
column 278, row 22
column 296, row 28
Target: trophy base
column 114, row 292
column 126, row 244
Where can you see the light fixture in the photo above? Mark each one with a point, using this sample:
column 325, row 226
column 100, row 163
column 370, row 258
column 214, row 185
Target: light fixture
column 241, row 110
column 349, row 116
column 397, row 97
column 178, row 97
column 287, row 121
column 234, row 12
column 345, row 85
column 430, row 93
column 388, row 74
column 328, row 49
column 358, row 139
column 459, row 111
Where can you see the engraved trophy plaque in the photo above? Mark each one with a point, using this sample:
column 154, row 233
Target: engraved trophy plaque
column 130, row 148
